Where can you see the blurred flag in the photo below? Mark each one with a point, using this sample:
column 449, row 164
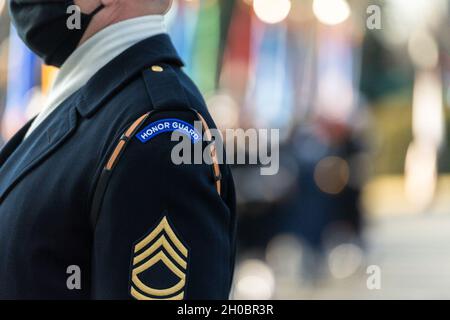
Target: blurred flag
column 182, row 24
column 271, row 94
column 206, row 46
column 336, row 75
column 48, row 76
column 236, row 61
column 23, row 76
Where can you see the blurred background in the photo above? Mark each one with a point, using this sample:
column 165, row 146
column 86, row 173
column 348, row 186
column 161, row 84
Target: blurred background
column 360, row 91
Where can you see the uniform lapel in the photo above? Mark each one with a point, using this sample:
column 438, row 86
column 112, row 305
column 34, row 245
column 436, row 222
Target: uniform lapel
column 14, row 142
column 32, row 151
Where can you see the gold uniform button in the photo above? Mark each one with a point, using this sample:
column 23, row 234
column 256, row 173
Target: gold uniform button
column 157, row 69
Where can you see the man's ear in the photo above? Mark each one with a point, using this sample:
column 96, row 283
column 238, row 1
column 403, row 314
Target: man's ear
column 168, row 6
column 158, row 6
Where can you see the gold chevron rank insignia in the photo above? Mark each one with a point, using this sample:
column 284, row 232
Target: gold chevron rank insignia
column 160, row 257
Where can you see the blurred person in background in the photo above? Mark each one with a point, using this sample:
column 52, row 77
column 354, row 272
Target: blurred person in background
column 315, row 197
column 91, row 207
column 332, row 171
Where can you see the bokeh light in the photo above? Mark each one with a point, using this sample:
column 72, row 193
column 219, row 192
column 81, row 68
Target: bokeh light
column 344, row 260
column 225, row 109
column 272, row 11
column 254, row 281
column 2, row 5
column 331, row 12
column 423, row 49
column 332, row 175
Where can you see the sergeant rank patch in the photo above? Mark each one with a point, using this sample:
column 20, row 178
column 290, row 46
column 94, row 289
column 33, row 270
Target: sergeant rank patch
column 168, row 125
column 159, row 265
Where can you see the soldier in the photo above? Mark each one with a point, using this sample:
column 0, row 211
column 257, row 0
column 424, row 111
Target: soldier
column 91, row 206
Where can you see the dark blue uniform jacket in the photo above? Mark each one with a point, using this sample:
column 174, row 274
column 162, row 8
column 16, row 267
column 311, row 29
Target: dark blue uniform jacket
column 160, row 231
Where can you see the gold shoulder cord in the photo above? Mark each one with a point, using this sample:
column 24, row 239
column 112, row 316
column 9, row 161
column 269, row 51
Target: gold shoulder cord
column 123, row 141
column 118, row 151
column 215, row 160
column 120, row 147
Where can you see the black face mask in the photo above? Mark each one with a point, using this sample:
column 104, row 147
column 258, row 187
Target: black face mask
column 42, row 25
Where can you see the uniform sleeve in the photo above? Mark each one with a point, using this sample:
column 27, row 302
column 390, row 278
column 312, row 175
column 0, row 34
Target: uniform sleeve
column 163, row 231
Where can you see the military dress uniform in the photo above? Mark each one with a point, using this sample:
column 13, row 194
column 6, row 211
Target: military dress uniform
column 95, row 187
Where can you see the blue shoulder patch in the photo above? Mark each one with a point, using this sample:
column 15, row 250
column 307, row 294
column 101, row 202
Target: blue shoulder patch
column 168, row 125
